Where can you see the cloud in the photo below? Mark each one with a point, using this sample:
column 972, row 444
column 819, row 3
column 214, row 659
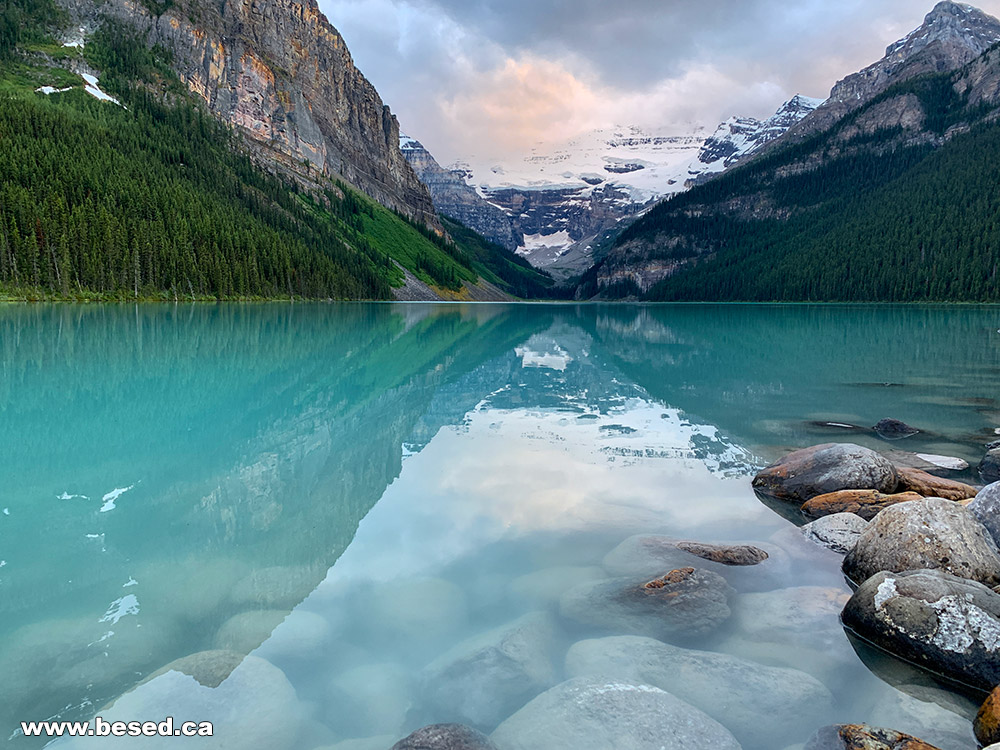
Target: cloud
column 474, row 76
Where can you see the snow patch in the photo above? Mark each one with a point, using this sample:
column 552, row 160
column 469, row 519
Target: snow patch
column 93, row 88
column 67, row 496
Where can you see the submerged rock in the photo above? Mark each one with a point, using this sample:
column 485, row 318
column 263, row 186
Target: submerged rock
column 893, row 429
column 760, row 705
column 928, row 485
column 542, row 588
column 821, row 469
column 987, row 723
column 745, row 566
column 986, row 508
column 989, row 467
column 684, row 603
column 864, row 503
column 924, row 534
column 485, row 678
column 596, row 714
column 838, row 532
column 927, row 720
column 247, row 630
column 945, row 624
column 445, row 737
column 370, row 699
column 863, row 737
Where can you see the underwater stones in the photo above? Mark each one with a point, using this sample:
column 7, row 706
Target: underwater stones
column 429, row 608
column 247, row 630
column 945, row 624
column 445, row 737
column 191, row 589
column 484, row 679
column 587, row 713
column 931, row 534
column 542, row 588
column 370, row 699
column 725, row 554
column 927, row 720
column 989, row 467
column 650, row 555
column 838, row 532
column 986, row 508
column 760, row 705
column 893, row 429
column 685, row 602
column 928, row 485
column 825, row 468
column 208, row 668
column 987, row 723
column 863, row 737
column 864, row 503
column 255, row 706
column 276, row 587
column 301, row 636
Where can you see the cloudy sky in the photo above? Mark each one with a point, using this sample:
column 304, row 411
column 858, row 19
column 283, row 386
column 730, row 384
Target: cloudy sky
column 497, row 76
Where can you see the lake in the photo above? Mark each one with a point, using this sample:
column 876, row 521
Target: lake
column 352, row 520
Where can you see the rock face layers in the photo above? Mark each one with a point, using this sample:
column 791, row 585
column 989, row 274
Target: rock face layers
column 281, row 73
column 455, row 198
column 952, row 35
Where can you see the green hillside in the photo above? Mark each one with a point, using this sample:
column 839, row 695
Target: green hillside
column 155, row 199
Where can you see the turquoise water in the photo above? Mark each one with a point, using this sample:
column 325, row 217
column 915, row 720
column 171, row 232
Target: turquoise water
column 347, row 493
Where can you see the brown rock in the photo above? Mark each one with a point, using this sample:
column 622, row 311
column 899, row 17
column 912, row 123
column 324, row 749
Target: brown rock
column 830, row 467
column 928, row 485
column 726, row 554
column 864, row 737
column 864, row 503
column 987, row 724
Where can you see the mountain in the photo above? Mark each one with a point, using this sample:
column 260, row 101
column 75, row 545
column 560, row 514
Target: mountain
column 564, row 201
column 206, row 150
column 892, row 201
column 457, row 199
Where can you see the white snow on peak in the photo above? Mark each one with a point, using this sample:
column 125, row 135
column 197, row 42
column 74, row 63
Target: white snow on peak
column 408, row 144
column 93, row 88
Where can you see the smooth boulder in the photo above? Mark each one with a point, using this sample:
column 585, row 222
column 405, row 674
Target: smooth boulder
column 821, row 469
column 588, row 713
column 838, row 532
column 684, row 603
column 864, row 503
column 945, row 624
column 989, row 467
column 758, row 704
column 928, row 485
column 986, row 508
column 930, row 534
column 863, row 737
column 484, row 679
column 445, row 737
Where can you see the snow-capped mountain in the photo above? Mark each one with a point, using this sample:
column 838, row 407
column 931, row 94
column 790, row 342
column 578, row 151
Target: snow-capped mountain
column 561, row 199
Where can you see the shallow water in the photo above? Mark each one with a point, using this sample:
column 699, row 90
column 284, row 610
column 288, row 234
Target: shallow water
column 350, row 493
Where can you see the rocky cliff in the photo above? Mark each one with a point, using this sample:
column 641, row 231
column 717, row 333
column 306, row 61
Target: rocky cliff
column 282, row 74
column 454, row 197
column 952, row 35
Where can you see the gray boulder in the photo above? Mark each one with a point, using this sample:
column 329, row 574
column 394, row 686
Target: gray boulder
column 596, row 714
column 989, row 467
column 445, row 737
column 838, row 532
column 931, row 534
column 685, row 603
column 760, row 705
column 986, row 508
column 486, row 678
column 945, row 624
column 826, row 468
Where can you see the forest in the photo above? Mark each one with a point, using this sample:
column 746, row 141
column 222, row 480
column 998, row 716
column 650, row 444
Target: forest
column 155, row 199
